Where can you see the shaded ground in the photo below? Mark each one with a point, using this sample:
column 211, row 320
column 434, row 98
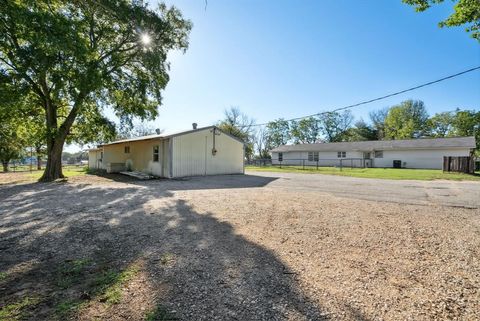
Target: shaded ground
column 231, row 248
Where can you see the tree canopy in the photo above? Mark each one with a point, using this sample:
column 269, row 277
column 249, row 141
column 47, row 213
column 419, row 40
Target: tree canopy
column 406, row 120
column 239, row 125
column 306, row 130
column 334, row 125
column 466, row 12
column 79, row 57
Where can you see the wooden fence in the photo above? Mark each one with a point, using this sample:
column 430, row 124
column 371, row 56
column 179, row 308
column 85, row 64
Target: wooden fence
column 462, row 164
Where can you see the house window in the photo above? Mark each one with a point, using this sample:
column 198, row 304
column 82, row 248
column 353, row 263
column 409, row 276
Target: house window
column 313, row 156
column 280, row 157
column 341, row 154
column 155, row 153
column 127, row 149
column 379, row 154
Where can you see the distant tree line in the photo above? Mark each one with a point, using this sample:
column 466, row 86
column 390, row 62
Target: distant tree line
column 407, row 120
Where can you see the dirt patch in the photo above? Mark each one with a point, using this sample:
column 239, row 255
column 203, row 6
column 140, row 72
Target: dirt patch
column 231, row 248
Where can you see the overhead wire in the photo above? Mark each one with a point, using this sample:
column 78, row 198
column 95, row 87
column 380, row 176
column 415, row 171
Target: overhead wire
column 378, row 98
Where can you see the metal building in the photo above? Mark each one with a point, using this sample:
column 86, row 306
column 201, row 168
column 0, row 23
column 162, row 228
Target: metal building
column 202, row 151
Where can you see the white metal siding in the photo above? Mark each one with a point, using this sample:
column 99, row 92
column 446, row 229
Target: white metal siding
column 428, row 159
column 95, row 159
column 192, row 154
column 421, row 158
column 324, row 158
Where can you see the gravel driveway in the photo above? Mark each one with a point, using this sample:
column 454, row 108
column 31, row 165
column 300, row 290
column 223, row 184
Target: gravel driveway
column 264, row 246
column 449, row 193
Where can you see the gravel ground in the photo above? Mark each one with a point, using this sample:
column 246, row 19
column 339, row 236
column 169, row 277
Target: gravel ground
column 254, row 247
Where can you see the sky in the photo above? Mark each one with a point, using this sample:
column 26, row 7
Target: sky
column 286, row 59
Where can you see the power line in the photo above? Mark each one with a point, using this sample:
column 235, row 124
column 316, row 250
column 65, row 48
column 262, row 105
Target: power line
column 378, row 98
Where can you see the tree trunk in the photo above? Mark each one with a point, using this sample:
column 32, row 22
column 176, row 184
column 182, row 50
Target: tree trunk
column 53, row 170
column 57, row 134
column 38, row 150
column 5, row 166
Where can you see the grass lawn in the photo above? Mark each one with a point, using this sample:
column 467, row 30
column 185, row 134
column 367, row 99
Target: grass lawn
column 68, row 171
column 383, row 173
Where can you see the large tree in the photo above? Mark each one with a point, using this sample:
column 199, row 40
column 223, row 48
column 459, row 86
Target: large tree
column 467, row 123
column 12, row 137
column 440, row 124
column 261, row 143
column 239, row 125
column 406, row 120
column 361, row 131
column 278, row 133
column 305, row 131
column 79, row 57
column 334, row 125
column 377, row 118
column 466, row 12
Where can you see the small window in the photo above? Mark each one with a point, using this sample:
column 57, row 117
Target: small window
column 379, row 154
column 127, row 149
column 155, row 153
column 280, row 157
column 312, row 156
column 341, row 154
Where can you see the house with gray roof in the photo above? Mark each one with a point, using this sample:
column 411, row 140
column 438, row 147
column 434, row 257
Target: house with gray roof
column 424, row 153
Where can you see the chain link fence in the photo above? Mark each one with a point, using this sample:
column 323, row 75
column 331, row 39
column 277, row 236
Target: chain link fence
column 312, row 163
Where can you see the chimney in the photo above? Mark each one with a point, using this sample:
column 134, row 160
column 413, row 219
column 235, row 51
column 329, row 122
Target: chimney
column 194, row 125
column 158, row 131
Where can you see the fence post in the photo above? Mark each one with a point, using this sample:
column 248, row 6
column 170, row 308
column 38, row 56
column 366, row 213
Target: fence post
column 303, row 164
column 341, row 164
column 317, row 164
column 280, row 164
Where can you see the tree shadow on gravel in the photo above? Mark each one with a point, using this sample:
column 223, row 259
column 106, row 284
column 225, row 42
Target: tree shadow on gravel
column 65, row 246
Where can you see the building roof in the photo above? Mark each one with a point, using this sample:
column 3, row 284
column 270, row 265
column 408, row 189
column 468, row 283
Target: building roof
column 166, row 135
column 420, row 143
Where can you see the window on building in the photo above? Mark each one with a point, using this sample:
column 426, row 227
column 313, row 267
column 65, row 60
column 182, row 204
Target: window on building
column 312, row 156
column 379, row 154
column 280, row 157
column 127, row 149
column 155, row 153
column 341, row 154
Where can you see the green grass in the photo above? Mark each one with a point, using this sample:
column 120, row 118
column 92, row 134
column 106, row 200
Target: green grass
column 383, row 173
column 68, row 171
column 66, row 308
column 3, row 276
column 105, row 286
column 71, row 272
column 109, row 284
column 16, row 310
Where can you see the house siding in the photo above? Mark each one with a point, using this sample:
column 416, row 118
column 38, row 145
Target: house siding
column 421, row 159
column 95, row 159
column 139, row 159
column 410, row 158
column 192, row 154
column 324, row 158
